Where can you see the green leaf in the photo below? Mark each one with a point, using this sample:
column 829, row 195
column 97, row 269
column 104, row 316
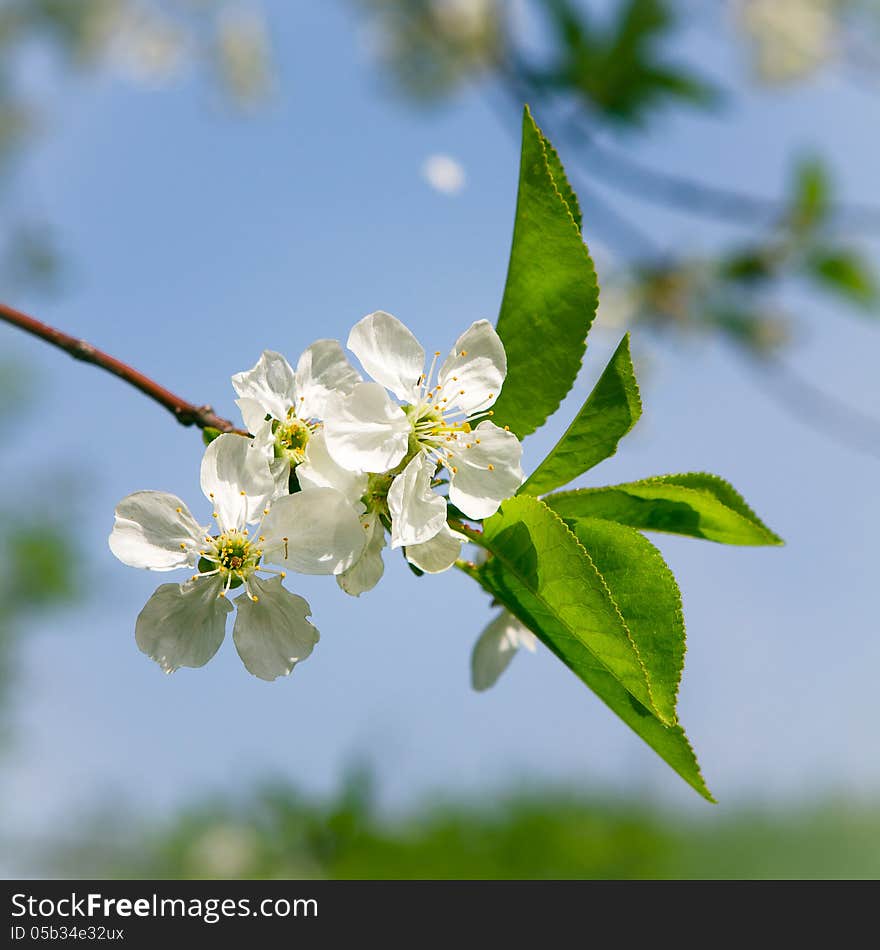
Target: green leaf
column 551, row 295
column 557, row 172
column 545, row 565
column 845, row 273
column 611, row 410
column 669, row 742
column 694, row 504
column 648, row 598
column 812, row 194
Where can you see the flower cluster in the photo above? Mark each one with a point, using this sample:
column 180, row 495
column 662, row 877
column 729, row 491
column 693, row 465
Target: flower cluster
column 336, row 462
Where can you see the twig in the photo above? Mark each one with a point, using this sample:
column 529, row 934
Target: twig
column 186, row 413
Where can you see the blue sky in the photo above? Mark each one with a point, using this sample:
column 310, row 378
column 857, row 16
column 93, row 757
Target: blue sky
column 195, row 239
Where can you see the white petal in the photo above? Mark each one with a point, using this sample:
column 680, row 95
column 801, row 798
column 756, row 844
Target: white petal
column 366, row 430
column 236, row 480
column 322, row 370
column 253, row 413
column 272, row 634
column 319, row 470
column 280, row 471
column 479, row 364
column 183, row 624
column 389, row 353
column 417, row 511
column 263, row 452
column 271, row 383
column 149, row 529
column 438, row 554
column 475, row 488
column 315, row 531
column 496, row 647
column 367, row 570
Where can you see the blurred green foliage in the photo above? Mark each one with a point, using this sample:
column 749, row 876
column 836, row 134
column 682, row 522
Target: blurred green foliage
column 532, row 834
column 143, row 41
column 591, row 71
column 619, row 70
column 37, row 549
column 596, row 72
column 741, row 293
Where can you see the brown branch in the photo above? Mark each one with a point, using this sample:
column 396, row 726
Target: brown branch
column 186, row 413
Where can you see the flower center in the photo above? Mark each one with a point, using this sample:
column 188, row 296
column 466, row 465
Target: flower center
column 291, row 438
column 375, row 498
column 431, row 429
column 233, row 555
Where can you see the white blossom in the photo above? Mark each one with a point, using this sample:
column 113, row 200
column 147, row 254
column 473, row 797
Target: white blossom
column 376, row 497
column 434, row 425
column 313, row 531
column 283, row 407
column 792, row 38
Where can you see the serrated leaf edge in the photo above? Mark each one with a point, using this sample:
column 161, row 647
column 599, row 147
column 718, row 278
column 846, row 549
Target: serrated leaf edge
column 523, row 489
column 657, row 555
column 479, row 539
column 595, row 280
column 775, row 540
column 703, row 791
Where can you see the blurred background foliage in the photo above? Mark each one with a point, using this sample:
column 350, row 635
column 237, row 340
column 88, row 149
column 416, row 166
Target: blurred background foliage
column 37, row 548
column 537, row 833
column 601, row 76
column 149, row 42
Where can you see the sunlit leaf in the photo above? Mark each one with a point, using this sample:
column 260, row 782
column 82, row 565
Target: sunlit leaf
column 611, row 410
column 550, row 297
column 694, row 504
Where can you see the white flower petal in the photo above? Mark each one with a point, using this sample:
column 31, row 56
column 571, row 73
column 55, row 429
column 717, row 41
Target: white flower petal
column 254, row 415
column 439, row 553
column 280, row 472
column 183, row 624
column 319, row 470
column 236, row 480
column 315, row 531
column 496, row 647
column 156, row 531
column 366, row 430
column 475, row 488
column 367, row 570
column 322, row 370
column 263, row 446
column 417, row 511
column 272, row 634
column 389, row 353
column 271, row 383
column 478, row 364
